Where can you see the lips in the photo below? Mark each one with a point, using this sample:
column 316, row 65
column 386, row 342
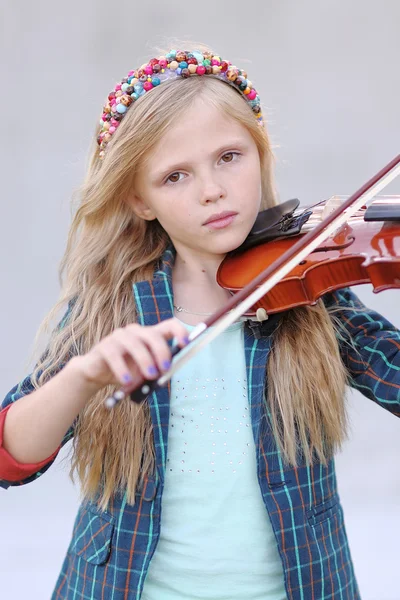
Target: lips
column 219, row 216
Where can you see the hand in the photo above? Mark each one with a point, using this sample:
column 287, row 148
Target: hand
column 132, row 350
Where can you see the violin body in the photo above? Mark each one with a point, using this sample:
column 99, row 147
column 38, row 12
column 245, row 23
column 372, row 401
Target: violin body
column 361, row 251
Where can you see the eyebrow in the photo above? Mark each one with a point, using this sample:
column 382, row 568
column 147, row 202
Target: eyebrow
column 160, row 174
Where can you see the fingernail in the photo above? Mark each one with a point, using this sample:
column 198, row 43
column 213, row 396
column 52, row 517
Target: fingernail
column 166, row 364
column 186, row 340
column 127, row 378
column 152, row 370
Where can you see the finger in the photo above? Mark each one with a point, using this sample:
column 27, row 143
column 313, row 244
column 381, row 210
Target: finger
column 113, row 354
column 172, row 328
column 158, row 347
column 135, row 346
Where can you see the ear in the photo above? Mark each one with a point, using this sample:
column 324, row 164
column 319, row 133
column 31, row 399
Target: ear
column 140, row 207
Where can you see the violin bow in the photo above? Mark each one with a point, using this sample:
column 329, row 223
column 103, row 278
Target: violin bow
column 241, row 301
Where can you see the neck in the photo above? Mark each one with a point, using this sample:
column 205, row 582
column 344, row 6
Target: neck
column 201, row 268
column 195, row 286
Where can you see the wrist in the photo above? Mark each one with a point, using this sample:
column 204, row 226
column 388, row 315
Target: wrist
column 76, row 370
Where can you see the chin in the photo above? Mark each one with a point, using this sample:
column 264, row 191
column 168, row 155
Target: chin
column 225, row 244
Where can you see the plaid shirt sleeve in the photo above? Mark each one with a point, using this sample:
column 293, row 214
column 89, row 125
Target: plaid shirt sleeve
column 19, row 473
column 374, row 363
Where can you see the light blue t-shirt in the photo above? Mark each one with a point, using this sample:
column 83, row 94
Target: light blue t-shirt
column 216, row 540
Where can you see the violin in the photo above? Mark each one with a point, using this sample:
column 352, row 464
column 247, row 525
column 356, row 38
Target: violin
column 291, row 259
column 365, row 249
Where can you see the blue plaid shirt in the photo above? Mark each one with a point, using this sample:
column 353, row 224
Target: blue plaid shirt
column 110, row 552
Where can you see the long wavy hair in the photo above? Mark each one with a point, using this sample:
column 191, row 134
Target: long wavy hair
column 109, row 248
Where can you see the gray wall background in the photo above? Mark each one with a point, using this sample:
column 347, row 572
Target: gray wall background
column 328, row 75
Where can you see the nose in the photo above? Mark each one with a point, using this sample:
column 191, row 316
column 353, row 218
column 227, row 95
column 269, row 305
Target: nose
column 212, row 191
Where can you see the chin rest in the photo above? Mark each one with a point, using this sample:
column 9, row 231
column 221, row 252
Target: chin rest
column 275, row 222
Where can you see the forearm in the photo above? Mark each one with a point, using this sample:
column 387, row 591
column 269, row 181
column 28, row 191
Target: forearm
column 36, row 424
column 371, row 351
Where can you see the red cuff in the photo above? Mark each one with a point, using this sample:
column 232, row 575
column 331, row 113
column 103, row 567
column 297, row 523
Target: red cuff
column 12, row 470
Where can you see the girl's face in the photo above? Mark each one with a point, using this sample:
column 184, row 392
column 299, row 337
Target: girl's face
column 205, row 165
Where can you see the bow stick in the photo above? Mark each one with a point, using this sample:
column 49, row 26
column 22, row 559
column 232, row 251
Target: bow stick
column 240, row 302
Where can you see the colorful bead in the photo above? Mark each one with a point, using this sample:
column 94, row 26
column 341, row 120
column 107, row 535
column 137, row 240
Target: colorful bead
column 198, row 56
column 155, row 71
column 180, row 56
column 232, row 73
column 126, row 100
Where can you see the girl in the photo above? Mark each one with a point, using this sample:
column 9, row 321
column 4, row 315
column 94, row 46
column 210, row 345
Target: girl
column 222, row 484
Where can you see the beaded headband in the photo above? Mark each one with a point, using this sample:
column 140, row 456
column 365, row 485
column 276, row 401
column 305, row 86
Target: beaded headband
column 176, row 63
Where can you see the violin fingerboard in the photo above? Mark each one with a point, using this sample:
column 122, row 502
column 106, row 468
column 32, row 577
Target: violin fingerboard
column 383, row 211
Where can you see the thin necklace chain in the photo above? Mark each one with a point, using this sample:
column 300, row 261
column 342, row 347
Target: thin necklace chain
column 181, row 309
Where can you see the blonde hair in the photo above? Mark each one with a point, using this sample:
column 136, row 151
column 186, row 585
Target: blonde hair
column 109, row 248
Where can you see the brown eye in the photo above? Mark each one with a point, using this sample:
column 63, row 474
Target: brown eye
column 174, row 178
column 228, row 157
